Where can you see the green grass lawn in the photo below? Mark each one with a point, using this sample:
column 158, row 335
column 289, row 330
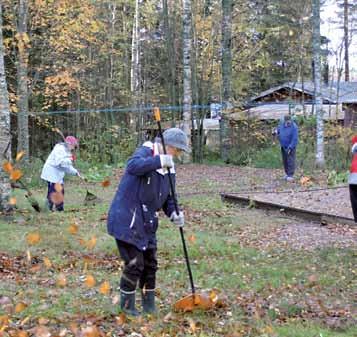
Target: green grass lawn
column 269, row 289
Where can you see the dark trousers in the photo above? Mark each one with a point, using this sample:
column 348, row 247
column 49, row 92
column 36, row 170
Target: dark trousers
column 51, row 189
column 140, row 266
column 289, row 161
column 353, row 197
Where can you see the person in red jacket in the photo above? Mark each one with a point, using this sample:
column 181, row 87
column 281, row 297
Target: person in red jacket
column 352, row 179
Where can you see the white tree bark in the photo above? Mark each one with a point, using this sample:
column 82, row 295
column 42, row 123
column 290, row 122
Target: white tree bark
column 22, row 80
column 187, row 73
column 316, row 46
column 5, row 139
column 226, row 73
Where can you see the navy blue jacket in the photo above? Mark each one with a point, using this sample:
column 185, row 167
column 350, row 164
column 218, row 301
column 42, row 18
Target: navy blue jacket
column 141, row 193
column 288, row 135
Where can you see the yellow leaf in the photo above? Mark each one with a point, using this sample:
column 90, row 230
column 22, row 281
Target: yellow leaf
column 20, row 155
column 47, row 262
column 90, row 281
column 92, row 242
column 104, row 288
column 12, row 201
column 61, row 280
column 58, row 187
column 21, row 306
column 33, row 238
column 73, row 229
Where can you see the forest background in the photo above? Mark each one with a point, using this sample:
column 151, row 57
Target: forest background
column 95, row 69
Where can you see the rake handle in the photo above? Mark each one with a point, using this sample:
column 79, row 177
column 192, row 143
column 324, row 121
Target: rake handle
column 173, row 194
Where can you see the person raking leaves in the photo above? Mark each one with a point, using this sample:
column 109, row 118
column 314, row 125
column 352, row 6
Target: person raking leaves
column 133, row 219
column 58, row 164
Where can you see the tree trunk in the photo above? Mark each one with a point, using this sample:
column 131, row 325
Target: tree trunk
column 5, row 138
column 136, row 71
column 316, row 46
column 346, row 40
column 226, row 73
column 22, row 79
column 170, row 69
column 187, row 75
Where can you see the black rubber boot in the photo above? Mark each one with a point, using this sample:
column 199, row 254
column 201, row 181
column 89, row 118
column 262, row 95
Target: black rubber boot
column 148, row 301
column 127, row 304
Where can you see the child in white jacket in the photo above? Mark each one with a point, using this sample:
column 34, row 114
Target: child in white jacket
column 58, row 164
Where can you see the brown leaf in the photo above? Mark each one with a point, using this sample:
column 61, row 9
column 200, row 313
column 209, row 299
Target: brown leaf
column 57, row 197
column 42, row 331
column 90, row 331
column 61, row 280
column 121, row 319
column 106, row 183
column 192, row 238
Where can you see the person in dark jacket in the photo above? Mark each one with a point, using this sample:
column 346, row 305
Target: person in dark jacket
column 133, row 220
column 288, row 135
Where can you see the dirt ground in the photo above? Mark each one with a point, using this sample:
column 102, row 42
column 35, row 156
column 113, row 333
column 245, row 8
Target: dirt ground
column 252, row 182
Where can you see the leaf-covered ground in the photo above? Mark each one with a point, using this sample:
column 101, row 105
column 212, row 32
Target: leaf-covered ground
column 276, row 276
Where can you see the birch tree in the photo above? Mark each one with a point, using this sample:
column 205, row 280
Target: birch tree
column 22, row 79
column 187, row 74
column 316, row 46
column 5, row 140
column 226, row 71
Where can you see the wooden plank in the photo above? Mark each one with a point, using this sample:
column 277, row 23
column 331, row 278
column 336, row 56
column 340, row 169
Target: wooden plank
column 304, row 214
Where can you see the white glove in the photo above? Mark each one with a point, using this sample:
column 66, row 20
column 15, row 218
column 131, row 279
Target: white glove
column 166, row 160
column 178, row 220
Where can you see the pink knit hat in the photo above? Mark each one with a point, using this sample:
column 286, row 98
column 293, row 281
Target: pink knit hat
column 71, row 140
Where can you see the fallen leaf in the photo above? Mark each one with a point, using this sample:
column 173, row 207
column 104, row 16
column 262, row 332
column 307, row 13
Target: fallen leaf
column 7, row 167
column 106, row 183
column 90, row 281
column 61, row 280
column 91, row 243
column 47, row 262
column 104, row 288
column 73, row 229
column 90, row 331
column 57, row 197
column 33, row 238
column 12, row 201
column 192, row 238
column 42, row 331
column 58, row 187
column 21, row 306
column 20, row 155
column 16, row 175
column 120, row 320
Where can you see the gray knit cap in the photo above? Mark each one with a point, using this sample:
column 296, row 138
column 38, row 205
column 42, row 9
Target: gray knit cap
column 177, row 138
